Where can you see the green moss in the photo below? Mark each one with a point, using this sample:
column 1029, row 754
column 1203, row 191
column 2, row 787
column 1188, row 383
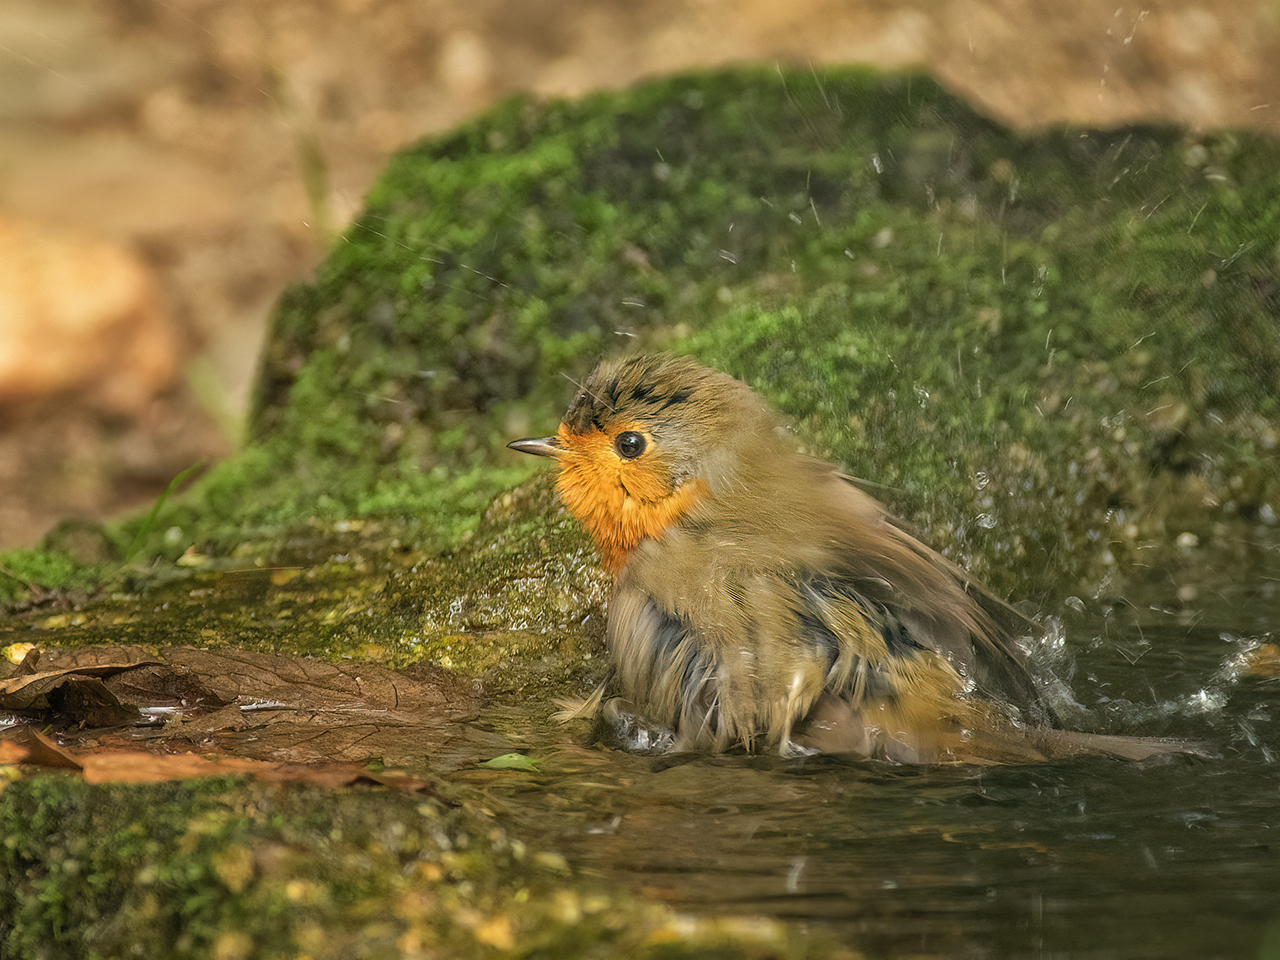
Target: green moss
column 520, row 602
column 24, row 569
column 1057, row 351
column 995, row 326
column 227, row 869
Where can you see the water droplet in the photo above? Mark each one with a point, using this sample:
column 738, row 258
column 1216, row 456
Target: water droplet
column 793, row 875
column 1205, row 701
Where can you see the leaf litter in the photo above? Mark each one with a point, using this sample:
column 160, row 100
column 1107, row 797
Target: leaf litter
column 118, row 713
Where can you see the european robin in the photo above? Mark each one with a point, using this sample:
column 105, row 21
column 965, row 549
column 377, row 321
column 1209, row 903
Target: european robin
column 763, row 601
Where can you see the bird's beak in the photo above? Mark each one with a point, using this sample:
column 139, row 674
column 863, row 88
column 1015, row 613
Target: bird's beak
column 539, row 446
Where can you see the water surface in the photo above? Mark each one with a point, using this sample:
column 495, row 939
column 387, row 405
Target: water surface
column 1091, row 857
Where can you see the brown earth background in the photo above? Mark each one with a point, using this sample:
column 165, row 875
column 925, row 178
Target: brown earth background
column 166, row 168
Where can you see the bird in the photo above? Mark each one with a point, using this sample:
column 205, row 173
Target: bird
column 763, row 601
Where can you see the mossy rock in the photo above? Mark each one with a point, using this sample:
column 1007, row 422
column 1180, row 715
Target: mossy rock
column 1058, row 352
column 235, row 870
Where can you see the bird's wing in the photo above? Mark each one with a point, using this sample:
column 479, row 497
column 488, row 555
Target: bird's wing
column 1009, row 617
column 941, row 606
column 989, row 655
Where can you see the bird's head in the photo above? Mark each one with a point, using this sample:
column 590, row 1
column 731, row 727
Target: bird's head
column 645, row 441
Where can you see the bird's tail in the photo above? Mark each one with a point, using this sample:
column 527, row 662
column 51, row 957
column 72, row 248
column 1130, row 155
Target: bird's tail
column 980, row 736
column 1056, row 744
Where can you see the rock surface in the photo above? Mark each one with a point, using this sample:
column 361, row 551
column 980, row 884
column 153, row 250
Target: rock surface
column 80, row 316
column 229, row 140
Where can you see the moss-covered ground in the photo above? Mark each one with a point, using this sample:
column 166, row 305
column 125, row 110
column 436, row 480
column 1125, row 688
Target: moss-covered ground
column 225, row 869
column 1058, row 353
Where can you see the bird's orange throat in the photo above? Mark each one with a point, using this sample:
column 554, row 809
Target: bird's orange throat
column 620, row 503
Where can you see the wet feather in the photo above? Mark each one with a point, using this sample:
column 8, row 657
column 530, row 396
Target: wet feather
column 765, row 602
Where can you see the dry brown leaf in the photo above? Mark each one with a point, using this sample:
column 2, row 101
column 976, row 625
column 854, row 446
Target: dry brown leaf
column 210, row 679
column 257, row 707
column 138, row 766
column 45, row 659
column 33, row 748
column 78, row 693
column 29, row 691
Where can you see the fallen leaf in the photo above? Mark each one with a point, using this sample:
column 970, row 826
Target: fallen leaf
column 253, row 706
column 28, row 692
column 137, row 766
column 34, row 748
column 46, row 659
column 77, row 694
column 512, row 761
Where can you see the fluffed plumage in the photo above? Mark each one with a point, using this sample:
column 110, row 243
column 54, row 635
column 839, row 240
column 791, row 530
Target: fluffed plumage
column 764, row 601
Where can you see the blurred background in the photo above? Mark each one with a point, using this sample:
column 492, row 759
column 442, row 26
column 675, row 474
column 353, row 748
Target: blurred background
column 167, row 168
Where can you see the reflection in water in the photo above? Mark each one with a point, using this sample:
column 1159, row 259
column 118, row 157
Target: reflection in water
column 1089, row 857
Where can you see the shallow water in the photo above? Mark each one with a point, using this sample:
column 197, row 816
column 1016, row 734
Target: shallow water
column 1090, row 857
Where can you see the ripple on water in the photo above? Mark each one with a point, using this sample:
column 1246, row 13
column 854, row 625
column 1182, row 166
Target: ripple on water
column 1089, row 857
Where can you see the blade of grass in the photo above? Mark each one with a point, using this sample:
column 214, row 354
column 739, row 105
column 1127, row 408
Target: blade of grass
column 150, row 521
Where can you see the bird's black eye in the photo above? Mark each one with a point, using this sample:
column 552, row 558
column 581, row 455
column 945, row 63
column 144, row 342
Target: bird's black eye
column 629, row 444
